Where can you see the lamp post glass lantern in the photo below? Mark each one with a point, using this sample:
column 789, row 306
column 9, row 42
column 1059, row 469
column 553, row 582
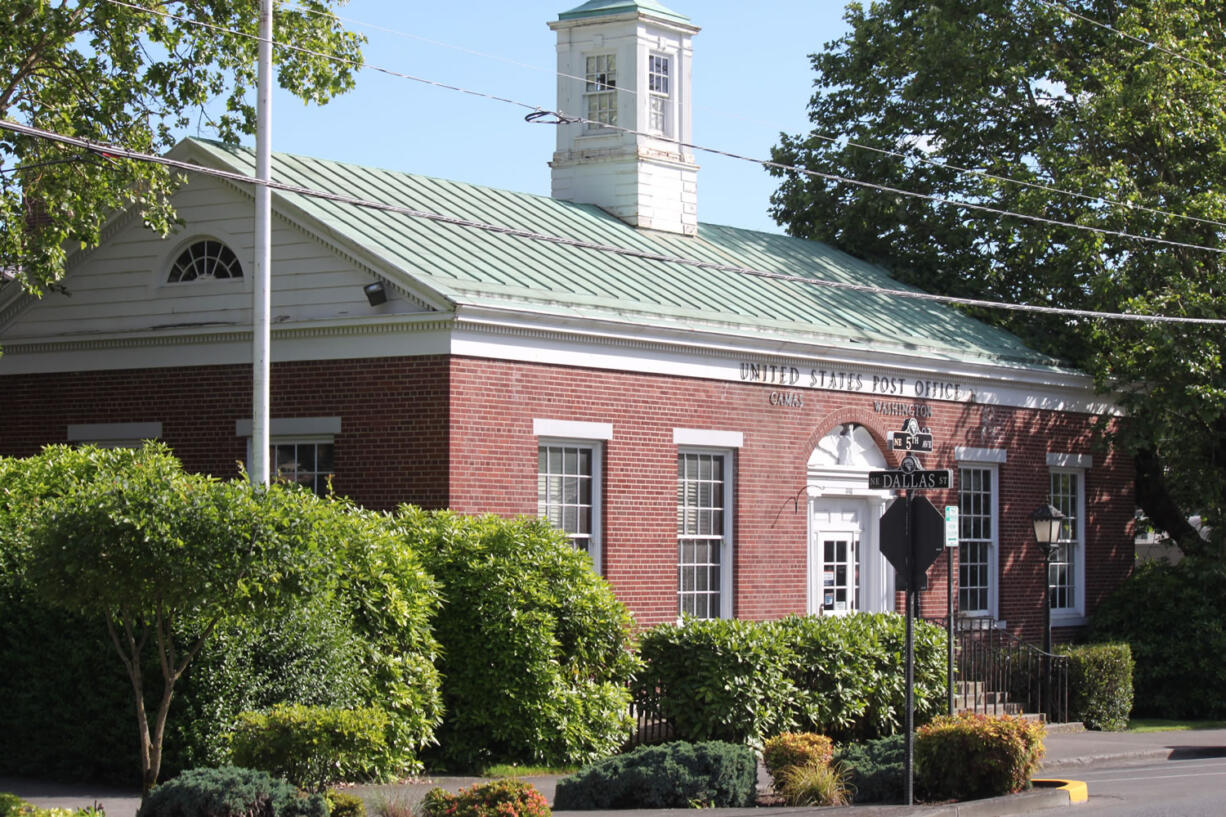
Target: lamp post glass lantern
column 1048, row 522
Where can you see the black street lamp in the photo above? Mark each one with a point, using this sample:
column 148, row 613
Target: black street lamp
column 1048, row 522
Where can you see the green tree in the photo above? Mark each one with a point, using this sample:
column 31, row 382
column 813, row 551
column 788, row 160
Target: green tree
column 113, row 73
column 1036, row 92
column 157, row 552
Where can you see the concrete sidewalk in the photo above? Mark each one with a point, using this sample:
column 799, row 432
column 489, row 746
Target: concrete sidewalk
column 1067, row 752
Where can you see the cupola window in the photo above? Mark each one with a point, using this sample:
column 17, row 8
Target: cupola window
column 205, row 260
column 600, row 91
column 658, row 84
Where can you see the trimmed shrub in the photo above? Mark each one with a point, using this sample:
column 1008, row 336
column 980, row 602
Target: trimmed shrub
column 849, row 673
column 1100, row 685
column 718, row 679
column 1170, row 615
column 671, row 775
column 13, row 806
column 796, row 749
column 230, row 792
column 343, row 804
column 972, row 756
column 312, row 746
column 875, row 768
column 813, row 784
column 535, row 645
column 497, row 798
column 740, row 681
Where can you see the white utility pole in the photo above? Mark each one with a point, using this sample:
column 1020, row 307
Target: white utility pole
column 261, row 336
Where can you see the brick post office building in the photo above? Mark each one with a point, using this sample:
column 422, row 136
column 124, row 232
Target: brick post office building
column 676, row 395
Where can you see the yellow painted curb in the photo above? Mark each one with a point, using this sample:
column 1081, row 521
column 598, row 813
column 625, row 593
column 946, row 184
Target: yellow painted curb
column 1078, row 791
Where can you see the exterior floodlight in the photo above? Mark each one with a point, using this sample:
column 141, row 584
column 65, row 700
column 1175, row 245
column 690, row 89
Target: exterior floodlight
column 375, row 293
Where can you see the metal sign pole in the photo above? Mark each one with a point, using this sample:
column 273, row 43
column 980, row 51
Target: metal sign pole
column 912, row 583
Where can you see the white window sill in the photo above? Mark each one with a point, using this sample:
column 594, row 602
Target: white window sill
column 1068, row 619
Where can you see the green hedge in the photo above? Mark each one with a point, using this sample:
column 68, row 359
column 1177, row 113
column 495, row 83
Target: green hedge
column 1100, row 685
column 875, row 768
column 230, row 792
column 743, row 681
column 711, row 774
column 536, row 651
column 1171, row 618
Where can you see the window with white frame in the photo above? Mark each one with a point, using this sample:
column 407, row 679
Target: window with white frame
column 659, row 83
column 977, row 511
column 703, row 532
column 567, row 493
column 1067, row 496
column 205, row 260
column 301, row 450
column 600, row 91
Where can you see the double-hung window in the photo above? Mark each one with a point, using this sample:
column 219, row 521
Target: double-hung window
column 600, row 90
column 568, row 480
column 659, row 84
column 978, row 529
column 300, row 450
column 704, row 523
column 1066, row 574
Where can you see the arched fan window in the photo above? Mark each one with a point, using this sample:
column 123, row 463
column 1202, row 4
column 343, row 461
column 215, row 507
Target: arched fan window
column 205, row 260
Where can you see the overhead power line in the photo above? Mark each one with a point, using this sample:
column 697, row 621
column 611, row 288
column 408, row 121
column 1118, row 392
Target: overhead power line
column 539, row 113
column 121, row 152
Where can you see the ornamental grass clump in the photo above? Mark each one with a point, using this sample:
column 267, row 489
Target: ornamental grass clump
column 814, row 783
column 497, row 798
column 973, row 756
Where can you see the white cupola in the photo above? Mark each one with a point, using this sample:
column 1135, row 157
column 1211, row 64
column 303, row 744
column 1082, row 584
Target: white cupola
column 626, row 64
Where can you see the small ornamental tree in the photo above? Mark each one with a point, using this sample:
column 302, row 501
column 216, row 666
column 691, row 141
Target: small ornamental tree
column 157, row 552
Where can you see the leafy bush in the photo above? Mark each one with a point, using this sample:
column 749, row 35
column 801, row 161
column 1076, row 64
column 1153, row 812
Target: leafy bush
column 1100, row 685
column 972, row 756
column 743, row 680
column 1171, row 618
column 671, row 775
column 13, row 806
column 719, row 679
column 344, row 804
column 814, row 783
column 497, row 798
column 875, row 768
column 849, row 671
column 535, row 645
column 796, row 749
column 312, row 746
column 229, row 792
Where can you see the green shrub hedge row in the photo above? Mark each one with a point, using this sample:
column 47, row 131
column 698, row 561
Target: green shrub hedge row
column 742, row 681
column 1100, row 685
column 230, row 792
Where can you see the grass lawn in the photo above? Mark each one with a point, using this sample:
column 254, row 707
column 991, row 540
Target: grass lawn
column 1156, row 725
column 514, row 770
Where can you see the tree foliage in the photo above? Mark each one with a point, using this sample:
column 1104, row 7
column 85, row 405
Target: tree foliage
column 112, row 73
column 1038, row 93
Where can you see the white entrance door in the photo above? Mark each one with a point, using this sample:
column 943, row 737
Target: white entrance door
column 847, row 572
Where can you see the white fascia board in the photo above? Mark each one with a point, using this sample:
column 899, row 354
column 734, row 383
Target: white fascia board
column 627, row 346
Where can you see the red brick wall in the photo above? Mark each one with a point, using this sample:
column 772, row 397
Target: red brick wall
column 458, row 432
column 393, row 442
column 493, row 468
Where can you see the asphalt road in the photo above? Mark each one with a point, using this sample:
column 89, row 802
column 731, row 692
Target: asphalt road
column 1188, row 785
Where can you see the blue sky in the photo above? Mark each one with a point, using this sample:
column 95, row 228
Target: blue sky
column 752, row 80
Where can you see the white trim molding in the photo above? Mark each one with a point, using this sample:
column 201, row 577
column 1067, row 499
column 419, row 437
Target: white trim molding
column 109, row 432
column 964, row 453
column 571, row 429
column 298, row 427
column 708, row 438
column 1056, row 460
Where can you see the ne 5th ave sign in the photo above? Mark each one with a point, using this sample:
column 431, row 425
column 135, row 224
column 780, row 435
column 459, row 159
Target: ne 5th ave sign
column 910, row 477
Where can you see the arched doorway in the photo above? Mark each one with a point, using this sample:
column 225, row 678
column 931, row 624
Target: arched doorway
column 847, row 572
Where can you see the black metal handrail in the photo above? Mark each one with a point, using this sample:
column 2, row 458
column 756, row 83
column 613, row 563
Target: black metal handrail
column 995, row 672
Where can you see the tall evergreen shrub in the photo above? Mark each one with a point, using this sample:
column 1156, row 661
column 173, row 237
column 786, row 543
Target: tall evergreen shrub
column 1100, row 685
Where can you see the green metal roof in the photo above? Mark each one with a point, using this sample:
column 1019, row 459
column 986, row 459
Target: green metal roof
column 465, row 265
column 600, row 8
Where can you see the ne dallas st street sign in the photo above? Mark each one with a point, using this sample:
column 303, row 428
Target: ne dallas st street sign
column 910, row 477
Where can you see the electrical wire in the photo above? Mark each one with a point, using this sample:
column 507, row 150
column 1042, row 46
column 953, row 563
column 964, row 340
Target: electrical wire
column 117, row 151
column 537, row 112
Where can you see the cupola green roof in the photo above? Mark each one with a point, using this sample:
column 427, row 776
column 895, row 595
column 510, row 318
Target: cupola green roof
column 600, row 8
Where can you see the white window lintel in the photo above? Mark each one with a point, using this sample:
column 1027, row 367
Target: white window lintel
column 572, row 429
column 1056, row 460
column 301, row 427
column 708, row 438
column 963, row 453
column 105, row 432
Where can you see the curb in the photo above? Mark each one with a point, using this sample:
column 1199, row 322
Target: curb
column 1162, row 753
column 1078, row 791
